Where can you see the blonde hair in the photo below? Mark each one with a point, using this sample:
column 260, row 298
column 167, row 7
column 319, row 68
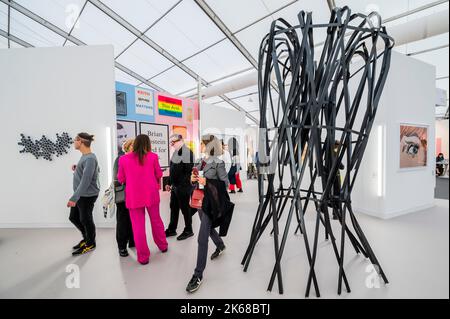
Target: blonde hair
column 127, row 145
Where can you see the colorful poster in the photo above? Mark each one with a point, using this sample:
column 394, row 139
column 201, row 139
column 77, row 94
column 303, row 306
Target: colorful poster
column 182, row 130
column 125, row 130
column 413, row 146
column 168, row 106
column 144, row 101
column 159, row 138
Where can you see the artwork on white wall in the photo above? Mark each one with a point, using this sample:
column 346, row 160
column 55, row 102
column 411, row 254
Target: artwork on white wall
column 125, row 131
column 413, row 146
column 159, row 138
column 46, row 148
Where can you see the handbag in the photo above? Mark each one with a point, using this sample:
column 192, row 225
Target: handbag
column 119, row 193
column 196, row 200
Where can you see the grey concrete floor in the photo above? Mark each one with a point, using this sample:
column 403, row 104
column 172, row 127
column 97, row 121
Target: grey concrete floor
column 413, row 250
column 442, row 189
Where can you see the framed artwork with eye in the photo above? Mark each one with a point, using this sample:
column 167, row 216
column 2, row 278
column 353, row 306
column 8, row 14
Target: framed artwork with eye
column 413, row 146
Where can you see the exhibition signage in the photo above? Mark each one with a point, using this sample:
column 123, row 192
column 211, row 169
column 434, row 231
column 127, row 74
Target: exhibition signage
column 159, row 137
column 144, row 102
column 170, row 107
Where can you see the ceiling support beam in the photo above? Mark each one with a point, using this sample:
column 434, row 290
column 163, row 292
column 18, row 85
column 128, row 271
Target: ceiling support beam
column 113, row 15
column 222, row 27
column 428, row 50
column 65, row 35
column 12, row 38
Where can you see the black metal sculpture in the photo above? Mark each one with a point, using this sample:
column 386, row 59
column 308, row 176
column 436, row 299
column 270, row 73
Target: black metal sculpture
column 46, row 148
column 312, row 122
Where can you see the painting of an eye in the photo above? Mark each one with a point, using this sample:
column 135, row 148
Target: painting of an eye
column 413, row 146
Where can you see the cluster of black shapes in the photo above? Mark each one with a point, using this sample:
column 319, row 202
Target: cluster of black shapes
column 45, row 148
column 317, row 126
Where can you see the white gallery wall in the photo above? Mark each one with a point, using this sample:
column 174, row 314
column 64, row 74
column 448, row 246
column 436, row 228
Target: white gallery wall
column 47, row 91
column 382, row 188
column 222, row 121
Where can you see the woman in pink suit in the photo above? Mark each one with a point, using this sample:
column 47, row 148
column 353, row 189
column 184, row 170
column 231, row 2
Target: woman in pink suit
column 141, row 174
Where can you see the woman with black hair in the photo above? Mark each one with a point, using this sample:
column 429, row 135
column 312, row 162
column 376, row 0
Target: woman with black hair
column 214, row 179
column 233, row 174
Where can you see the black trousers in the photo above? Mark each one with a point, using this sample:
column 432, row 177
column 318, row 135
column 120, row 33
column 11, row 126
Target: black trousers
column 81, row 217
column 179, row 199
column 124, row 230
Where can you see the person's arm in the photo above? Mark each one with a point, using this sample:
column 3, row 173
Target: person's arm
column 189, row 165
column 222, row 173
column 116, row 169
column 86, row 179
column 121, row 176
column 157, row 169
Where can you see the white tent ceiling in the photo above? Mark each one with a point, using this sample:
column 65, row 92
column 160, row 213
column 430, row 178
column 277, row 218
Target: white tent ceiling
column 192, row 43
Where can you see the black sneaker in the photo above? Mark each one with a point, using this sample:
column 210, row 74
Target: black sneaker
column 84, row 250
column 82, row 243
column 217, row 253
column 123, row 252
column 233, row 192
column 185, row 235
column 194, row 284
column 240, row 191
column 170, row 233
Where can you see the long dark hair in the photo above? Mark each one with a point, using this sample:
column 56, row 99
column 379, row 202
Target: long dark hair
column 141, row 147
column 233, row 146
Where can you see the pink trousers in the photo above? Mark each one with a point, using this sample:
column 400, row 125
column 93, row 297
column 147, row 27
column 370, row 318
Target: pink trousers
column 140, row 238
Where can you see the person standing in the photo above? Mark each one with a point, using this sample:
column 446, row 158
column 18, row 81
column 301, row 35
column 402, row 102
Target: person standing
column 233, row 174
column 86, row 189
column 225, row 157
column 141, row 173
column 181, row 166
column 213, row 169
column 124, row 230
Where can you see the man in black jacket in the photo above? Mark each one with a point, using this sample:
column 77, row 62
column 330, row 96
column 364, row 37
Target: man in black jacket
column 181, row 166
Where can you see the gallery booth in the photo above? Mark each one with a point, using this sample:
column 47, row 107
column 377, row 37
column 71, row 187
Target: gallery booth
column 80, row 94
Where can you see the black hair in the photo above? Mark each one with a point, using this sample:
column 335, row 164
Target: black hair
column 233, row 146
column 86, row 138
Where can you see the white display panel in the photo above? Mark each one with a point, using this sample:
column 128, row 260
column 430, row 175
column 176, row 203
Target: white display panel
column 383, row 189
column 47, row 91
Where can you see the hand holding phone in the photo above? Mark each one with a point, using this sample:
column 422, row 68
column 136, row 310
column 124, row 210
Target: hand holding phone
column 194, row 176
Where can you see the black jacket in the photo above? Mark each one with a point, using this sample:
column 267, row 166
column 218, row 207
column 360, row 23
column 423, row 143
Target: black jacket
column 181, row 166
column 217, row 205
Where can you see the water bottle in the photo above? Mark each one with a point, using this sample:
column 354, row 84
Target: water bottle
column 200, row 174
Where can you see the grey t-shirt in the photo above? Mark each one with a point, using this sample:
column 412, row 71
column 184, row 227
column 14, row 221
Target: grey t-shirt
column 85, row 178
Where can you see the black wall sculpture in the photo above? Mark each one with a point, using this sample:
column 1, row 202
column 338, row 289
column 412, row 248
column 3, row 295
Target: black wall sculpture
column 312, row 122
column 46, row 148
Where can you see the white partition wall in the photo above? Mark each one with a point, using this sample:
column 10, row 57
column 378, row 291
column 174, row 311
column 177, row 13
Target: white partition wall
column 221, row 121
column 44, row 92
column 383, row 189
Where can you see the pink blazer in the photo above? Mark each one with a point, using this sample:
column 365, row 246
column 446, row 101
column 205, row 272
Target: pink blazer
column 141, row 181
